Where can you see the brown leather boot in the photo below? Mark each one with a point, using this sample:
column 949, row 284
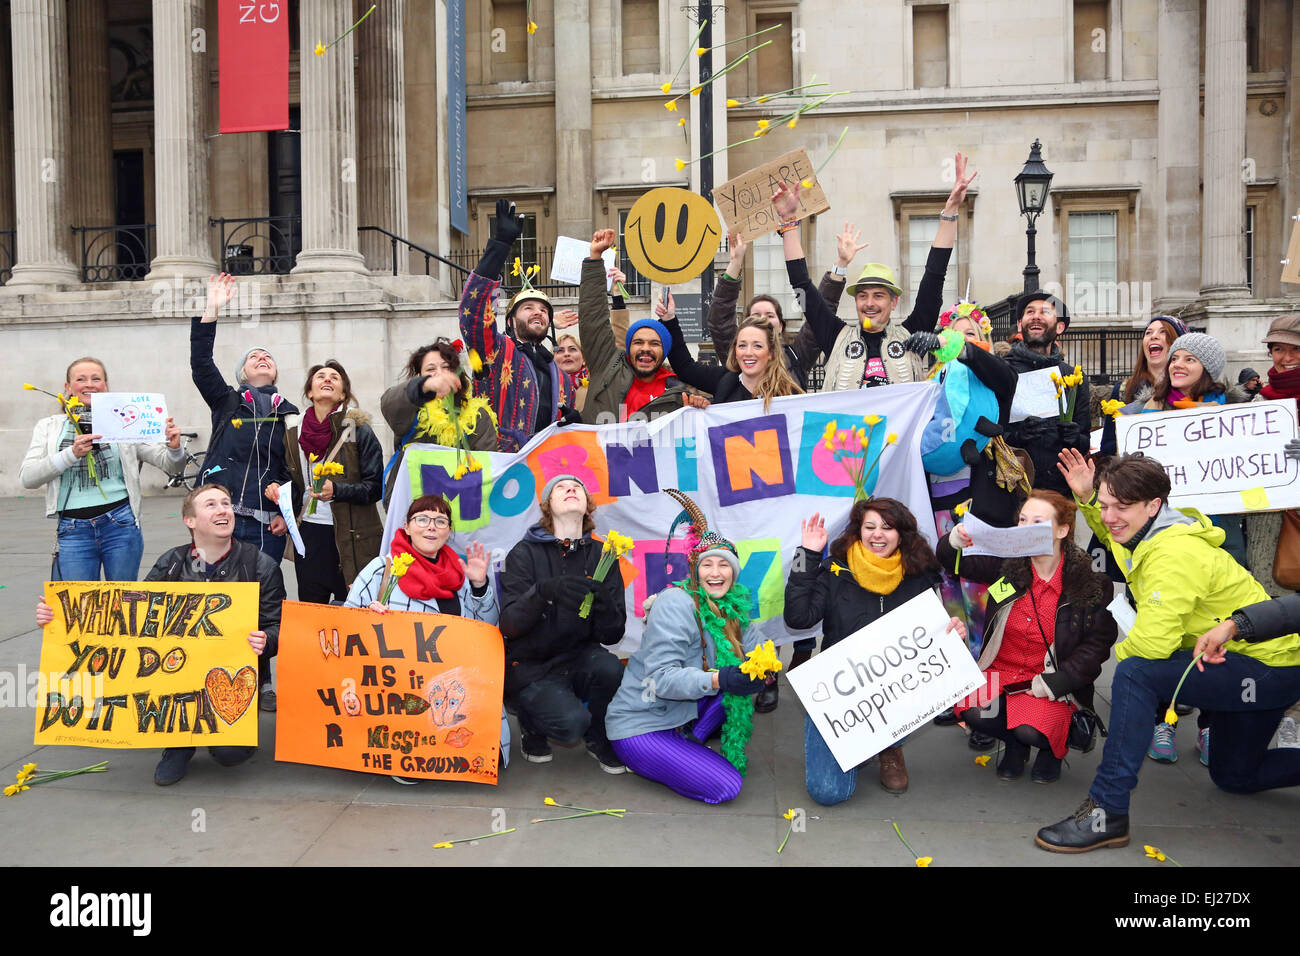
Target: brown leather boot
column 893, row 770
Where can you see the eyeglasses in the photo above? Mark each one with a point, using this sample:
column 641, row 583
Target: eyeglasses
column 438, row 521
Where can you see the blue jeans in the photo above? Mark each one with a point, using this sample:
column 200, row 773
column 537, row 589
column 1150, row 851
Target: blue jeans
column 1246, row 699
column 112, row 540
column 826, row 782
column 259, row 535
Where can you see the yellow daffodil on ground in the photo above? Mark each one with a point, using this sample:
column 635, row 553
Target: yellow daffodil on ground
column 789, row 814
column 1154, row 852
column 550, row 802
column 761, row 661
column 982, row 760
column 14, row 789
column 924, row 860
column 442, row 846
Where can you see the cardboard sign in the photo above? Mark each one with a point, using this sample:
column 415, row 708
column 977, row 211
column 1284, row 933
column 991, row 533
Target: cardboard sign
column 876, row 686
column 745, row 201
column 1221, row 459
column 1035, row 396
column 144, row 664
column 671, row 235
column 566, row 264
column 1023, row 541
column 416, row 695
column 128, row 416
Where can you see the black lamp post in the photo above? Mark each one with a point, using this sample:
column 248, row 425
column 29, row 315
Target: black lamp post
column 1032, row 185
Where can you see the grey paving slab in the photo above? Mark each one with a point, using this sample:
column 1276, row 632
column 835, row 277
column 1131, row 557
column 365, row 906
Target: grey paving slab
column 292, row 814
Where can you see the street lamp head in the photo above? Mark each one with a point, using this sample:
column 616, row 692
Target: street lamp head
column 1033, row 183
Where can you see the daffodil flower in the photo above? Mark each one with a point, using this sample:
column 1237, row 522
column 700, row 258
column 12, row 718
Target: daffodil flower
column 320, row 49
column 1153, row 852
column 701, row 50
column 982, row 760
column 872, row 420
column 924, row 860
column 794, row 121
column 667, row 87
column 891, row 439
column 763, row 124
column 731, row 103
column 550, row 802
column 671, row 106
column 1171, row 717
column 679, row 164
column 532, row 27
column 789, row 814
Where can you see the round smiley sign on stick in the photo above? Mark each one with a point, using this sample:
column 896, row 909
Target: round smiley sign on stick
column 671, row 235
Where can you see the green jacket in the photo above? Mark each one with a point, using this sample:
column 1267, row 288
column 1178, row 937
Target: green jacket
column 1183, row 584
column 609, row 375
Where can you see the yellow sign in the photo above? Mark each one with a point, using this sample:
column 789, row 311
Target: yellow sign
column 148, row 664
column 671, row 235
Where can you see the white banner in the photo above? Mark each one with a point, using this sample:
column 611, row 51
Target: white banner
column 129, row 416
column 1221, row 459
column 876, row 686
column 754, row 473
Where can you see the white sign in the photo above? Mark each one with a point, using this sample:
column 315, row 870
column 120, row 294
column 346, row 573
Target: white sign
column 129, row 416
column 875, row 687
column 291, row 523
column 1221, row 459
column 1023, row 541
column 1035, row 396
column 566, row 264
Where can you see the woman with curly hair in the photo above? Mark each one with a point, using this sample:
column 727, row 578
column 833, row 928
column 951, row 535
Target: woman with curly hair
column 685, row 681
column 416, row 412
column 877, row 564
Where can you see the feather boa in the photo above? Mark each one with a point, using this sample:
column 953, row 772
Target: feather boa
column 734, row 606
column 434, row 422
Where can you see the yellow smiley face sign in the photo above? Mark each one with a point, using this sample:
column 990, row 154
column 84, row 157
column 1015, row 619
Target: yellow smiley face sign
column 671, row 235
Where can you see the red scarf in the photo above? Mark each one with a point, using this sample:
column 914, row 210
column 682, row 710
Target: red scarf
column 426, row 578
column 314, row 436
column 1282, row 384
column 643, row 392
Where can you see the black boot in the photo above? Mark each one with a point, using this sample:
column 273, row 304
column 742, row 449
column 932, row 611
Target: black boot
column 1012, row 764
column 1047, row 768
column 979, row 741
column 1089, row 828
column 946, row 718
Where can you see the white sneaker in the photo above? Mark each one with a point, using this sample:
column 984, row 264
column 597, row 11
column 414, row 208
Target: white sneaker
column 1288, row 733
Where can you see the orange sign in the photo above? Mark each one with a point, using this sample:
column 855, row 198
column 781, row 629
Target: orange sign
column 415, row 695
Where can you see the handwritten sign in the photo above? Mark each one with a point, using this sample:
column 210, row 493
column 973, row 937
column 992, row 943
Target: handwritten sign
column 416, row 695
column 566, row 265
column 129, row 416
column 1021, row 542
column 1221, row 459
column 745, row 201
column 290, row 522
column 1035, row 396
column 145, row 664
column 876, row 686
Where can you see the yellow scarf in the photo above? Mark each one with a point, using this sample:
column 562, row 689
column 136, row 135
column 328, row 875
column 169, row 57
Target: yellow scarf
column 874, row 574
column 434, row 422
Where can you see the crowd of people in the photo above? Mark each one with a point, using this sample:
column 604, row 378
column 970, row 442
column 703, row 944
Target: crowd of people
column 1193, row 584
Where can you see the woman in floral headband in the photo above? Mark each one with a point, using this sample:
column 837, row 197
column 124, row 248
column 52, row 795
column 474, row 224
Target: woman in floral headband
column 685, row 680
column 416, row 412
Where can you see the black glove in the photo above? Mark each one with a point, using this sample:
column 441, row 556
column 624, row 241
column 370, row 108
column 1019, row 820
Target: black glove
column 567, row 590
column 923, row 343
column 1071, row 435
column 509, row 226
column 569, row 416
column 732, row 680
column 609, row 599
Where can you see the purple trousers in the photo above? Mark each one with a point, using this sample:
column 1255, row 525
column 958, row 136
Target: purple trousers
column 682, row 765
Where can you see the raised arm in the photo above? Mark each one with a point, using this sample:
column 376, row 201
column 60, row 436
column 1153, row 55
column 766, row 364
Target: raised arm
column 826, row 327
column 929, row 297
column 203, row 333
column 726, row 293
column 704, row 377
column 599, row 346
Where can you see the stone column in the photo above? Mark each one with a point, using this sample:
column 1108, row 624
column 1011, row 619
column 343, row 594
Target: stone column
column 381, row 103
column 181, row 202
column 1223, row 265
column 6, row 133
column 574, row 176
column 40, row 91
column 329, row 141
column 92, row 189
column 1177, row 192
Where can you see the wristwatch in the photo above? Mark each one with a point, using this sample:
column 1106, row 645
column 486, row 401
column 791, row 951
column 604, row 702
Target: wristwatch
column 839, row 270
column 948, row 218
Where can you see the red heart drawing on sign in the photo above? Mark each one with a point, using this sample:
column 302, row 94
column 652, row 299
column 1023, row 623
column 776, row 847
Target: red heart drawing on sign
column 158, row 409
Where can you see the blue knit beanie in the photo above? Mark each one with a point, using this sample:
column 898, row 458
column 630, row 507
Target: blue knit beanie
column 665, row 337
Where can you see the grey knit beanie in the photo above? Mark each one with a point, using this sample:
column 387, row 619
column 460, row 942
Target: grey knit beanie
column 239, row 369
column 1206, row 348
column 555, row 480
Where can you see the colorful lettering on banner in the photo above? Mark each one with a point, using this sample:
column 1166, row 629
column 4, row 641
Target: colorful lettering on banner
column 433, row 472
column 654, row 571
column 572, row 452
column 824, row 471
column 416, row 695
column 761, row 572
column 630, row 464
column 514, row 492
column 687, row 454
column 751, row 459
column 141, row 664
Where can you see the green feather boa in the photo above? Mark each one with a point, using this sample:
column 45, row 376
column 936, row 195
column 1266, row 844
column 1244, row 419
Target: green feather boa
column 739, row 725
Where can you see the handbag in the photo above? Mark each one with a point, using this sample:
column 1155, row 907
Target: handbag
column 1084, row 721
column 1286, row 559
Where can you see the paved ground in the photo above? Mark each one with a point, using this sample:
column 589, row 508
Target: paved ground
column 281, row 814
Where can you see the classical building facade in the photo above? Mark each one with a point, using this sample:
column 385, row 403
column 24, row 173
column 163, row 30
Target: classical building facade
column 1165, row 122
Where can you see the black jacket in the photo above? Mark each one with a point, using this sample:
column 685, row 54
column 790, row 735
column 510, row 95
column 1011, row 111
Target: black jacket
column 800, row 355
column 243, row 563
column 246, row 459
column 837, row 602
column 718, row 380
column 1085, row 630
column 543, row 638
column 1044, row 438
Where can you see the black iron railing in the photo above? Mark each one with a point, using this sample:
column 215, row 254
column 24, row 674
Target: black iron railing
column 396, row 240
column 8, row 238
column 263, row 245
column 115, row 253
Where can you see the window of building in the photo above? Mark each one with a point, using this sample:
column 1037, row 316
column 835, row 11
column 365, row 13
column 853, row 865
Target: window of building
column 637, row 284
column 921, row 231
column 510, row 62
column 1091, row 29
column 1097, row 265
column 640, row 36
column 524, row 249
column 1094, row 248
column 1252, row 37
column 774, row 72
column 1250, row 248
column 929, row 46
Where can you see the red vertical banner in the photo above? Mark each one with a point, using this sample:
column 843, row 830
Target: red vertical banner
column 253, row 64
